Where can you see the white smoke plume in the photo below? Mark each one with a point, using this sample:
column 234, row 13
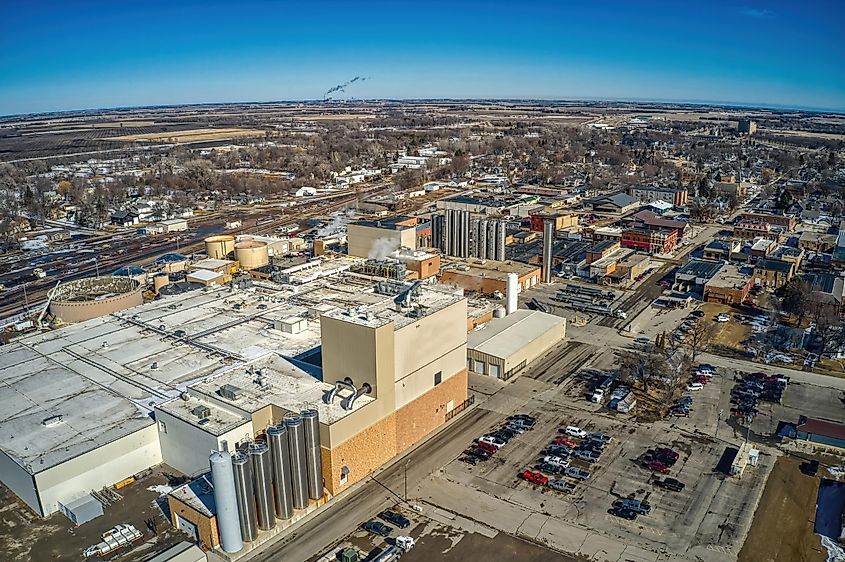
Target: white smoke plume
column 382, row 248
column 337, row 224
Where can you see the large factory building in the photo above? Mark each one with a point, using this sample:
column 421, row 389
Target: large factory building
column 304, row 389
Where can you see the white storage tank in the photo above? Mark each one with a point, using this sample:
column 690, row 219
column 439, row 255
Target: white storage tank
column 252, row 254
column 219, row 247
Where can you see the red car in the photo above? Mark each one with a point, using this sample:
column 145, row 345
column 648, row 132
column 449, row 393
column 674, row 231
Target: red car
column 534, row 477
column 657, row 467
column 566, row 442
column 667, row 452
column 487, row 447
column 701, row 379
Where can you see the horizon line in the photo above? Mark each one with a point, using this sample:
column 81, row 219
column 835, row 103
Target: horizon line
column 619, row 100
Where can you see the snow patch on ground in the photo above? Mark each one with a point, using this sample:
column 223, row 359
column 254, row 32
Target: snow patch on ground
column 161, row 489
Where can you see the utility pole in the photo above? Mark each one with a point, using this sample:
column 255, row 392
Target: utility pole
column 25, row 299
column 97, row 266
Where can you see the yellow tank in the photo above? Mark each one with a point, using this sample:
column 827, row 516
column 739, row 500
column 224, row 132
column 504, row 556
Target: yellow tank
column 252, row 254
column 219, row 247
column 159, row 281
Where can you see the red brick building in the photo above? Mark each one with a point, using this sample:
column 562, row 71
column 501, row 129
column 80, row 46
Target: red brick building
column 659, row 241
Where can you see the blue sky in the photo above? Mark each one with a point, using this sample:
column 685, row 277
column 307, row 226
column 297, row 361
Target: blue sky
column 83, row 54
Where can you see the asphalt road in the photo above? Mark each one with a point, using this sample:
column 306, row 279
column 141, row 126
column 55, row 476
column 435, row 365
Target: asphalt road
column 385, row 488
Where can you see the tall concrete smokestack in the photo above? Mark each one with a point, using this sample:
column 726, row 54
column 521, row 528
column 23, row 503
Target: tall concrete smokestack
column 512, row 292
column 548, row 244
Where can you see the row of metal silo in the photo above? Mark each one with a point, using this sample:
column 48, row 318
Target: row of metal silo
column 268, row 480
column 250, row 253
column 490, row 239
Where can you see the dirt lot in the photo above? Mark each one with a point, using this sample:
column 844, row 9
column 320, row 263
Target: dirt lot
column 26, row 538
column 478, row 548
column 787, row 506
column 726, row 334
column 193, row 135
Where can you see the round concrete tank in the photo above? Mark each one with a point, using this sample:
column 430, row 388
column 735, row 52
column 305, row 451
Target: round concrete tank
column 160, row 280
column 245, row 494
column 277, row 439
column 262, row 478
column 499, row 312
column 225, row 498
column 91, row 297
column 313, row 463
column 298, row 471
column 219, row 247
column 252, row 254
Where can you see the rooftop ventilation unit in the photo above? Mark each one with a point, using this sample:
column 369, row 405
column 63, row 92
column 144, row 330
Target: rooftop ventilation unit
column 201, row 411
column 230, row 392
column 52, row 421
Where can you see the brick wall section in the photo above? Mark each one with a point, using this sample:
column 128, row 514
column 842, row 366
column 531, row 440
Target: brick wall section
column 362, row 453
column 428, row 412
column 206, row 526
column 392, row 435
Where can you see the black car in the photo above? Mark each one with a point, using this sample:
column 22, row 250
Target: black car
column 623, row 512
column 525, row 417
column 469, row 459
column 378, row 528
column 503, row 435
column 395, row 519
column 478, row 453
column 670, row 484
column 549, row 468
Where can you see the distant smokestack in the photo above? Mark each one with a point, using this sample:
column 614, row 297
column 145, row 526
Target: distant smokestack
column 512, row 291
column 548, row 244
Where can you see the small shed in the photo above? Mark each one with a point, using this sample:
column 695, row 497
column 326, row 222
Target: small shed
column 82, row 510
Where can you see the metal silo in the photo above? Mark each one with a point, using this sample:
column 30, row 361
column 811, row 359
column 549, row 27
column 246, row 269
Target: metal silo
column 313, row 463
column 277, row 439
column 296, row 446
column 262, row 473
column 548, row 246
column 242, row 467
column 500, row 240
column 225, row 498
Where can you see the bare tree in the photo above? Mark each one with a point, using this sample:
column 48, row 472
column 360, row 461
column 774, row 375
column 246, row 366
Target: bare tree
column 698, row 337
column 643, row 368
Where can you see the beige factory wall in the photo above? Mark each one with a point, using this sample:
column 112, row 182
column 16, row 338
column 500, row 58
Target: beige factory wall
column 186, row 447
column 362, row 238
column 79, row 311
column 536, row 347
column 444, row 331
column 101, row 467
column 408, row 238
column 21, row 482
column 414, row 385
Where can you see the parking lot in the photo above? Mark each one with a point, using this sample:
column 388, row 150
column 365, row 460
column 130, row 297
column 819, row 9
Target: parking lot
column 707, row 520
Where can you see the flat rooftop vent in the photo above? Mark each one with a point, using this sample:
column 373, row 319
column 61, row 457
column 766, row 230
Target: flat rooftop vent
column 52, row 421
column 201, row 411
column 230, row 392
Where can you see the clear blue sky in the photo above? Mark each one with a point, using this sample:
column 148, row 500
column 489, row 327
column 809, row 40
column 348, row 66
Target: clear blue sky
column 82, row 54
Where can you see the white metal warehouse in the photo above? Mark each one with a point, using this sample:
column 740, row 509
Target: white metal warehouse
column 505, row 346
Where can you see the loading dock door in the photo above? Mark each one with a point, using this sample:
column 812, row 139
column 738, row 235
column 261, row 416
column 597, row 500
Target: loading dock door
column 188, row 527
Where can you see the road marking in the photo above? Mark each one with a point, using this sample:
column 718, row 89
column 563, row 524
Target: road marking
column 721, row 549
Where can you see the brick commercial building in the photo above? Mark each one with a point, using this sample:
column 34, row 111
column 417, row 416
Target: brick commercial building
column 728, row 286
column 773, row 273
column 561, row 221
column 650, row 241
column 784, row 221
column 675, row 196
column 487, row 276
column 749, row 230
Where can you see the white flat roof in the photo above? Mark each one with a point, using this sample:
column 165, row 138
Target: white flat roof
column 205, row 275
column 502, row 337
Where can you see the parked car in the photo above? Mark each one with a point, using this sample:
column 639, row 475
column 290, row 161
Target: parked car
column 549, row 468
column 599, row 436
column 492, row 440
column 469, row 459
column 589, row 456
column 562, row 486
column 642, row 341
column 694, row 386
column 657, row 466
column 558, row 451
column 622, row 512
column 395, row 519
column 697, row 314
column 670, row 484
column 522, row 422
column 722, row 317
column 566, row 442
column 555, row 461
column 575, row 431
column 534, row 477
column 478, row 453
column 378, row 528
column 577, row 473
column 484, row 446
column 525, row 417
column 640, row 506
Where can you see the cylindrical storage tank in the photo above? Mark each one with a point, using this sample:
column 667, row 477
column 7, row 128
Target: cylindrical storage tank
column 277, row 439
column 511, row 292
column 548, row 245
column 244, row 490
column 499, row 312
column 313, row 463
column 298, row 470
column 252, row 254
column 219, row 247
column 160, row 280
column 262, row 479
column 225, row 498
